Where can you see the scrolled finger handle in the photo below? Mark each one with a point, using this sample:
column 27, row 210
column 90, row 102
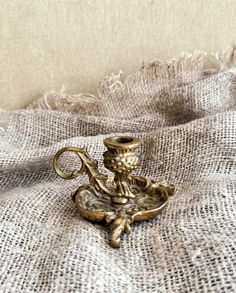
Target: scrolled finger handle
column 73, row 174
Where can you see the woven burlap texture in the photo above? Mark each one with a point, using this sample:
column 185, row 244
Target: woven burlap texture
column 186, row 117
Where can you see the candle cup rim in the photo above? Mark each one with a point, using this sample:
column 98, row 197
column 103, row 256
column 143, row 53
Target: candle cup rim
column 122, row 142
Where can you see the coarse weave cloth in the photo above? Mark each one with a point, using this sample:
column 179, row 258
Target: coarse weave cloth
column 185, row 113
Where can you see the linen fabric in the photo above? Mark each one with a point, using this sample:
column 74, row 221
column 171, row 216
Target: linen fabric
column 186, row 118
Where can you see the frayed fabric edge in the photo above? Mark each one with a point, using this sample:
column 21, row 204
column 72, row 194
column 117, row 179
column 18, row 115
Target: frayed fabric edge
column 188, row 67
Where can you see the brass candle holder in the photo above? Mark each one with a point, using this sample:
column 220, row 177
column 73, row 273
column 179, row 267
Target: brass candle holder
column 117, row 200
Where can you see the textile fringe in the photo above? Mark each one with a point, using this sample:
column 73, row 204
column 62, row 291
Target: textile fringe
column 186, row 68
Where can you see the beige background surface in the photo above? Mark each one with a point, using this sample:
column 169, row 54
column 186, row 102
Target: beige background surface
column 75, row 43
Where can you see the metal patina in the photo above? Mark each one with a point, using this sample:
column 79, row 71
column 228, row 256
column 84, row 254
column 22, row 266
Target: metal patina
column 117, row 200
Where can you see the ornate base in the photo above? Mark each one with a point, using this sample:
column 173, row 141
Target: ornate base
column 150, row 198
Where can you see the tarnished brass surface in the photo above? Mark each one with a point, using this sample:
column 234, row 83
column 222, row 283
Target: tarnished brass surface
column 117, row 200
